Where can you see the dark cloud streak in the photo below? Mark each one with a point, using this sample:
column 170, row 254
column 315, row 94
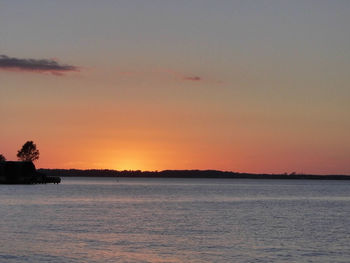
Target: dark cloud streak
column 193, row 78
column 35, row 65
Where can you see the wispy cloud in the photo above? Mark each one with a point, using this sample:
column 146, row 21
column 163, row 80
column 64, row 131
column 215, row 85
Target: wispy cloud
column 160, row 74
column 193, row 78
column 35, row 65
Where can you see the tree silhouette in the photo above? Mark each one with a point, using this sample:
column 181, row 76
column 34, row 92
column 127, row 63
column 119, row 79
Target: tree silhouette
column 2, row 158
column 28, row 152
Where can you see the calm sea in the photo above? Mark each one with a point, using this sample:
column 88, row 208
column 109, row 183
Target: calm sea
column 175, row 220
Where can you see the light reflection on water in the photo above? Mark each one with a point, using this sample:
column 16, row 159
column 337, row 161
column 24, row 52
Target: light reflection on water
column 175, row 220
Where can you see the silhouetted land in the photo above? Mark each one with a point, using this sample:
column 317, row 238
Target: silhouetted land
column 23, row 173
column 184, row 174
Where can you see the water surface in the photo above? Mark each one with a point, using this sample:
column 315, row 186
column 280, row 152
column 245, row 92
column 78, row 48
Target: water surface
column 176, row 220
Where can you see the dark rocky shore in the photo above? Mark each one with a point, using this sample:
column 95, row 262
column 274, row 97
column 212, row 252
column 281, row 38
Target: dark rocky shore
column 24, row 173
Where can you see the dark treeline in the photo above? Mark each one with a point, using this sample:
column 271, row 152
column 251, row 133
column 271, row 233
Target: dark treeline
column 184, row 174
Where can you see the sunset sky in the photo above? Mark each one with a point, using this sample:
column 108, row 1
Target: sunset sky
column 248, row 86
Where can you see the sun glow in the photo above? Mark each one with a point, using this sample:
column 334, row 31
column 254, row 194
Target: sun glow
column 128, row 164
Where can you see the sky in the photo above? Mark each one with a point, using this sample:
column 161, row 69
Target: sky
column 249, row 86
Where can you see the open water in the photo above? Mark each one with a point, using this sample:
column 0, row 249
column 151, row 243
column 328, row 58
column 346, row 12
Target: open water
column 175, row 220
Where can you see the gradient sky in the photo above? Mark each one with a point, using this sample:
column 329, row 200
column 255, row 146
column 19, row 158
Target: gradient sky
column 249, row 86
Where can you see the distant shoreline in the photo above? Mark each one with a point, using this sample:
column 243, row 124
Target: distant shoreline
column 215, row 174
